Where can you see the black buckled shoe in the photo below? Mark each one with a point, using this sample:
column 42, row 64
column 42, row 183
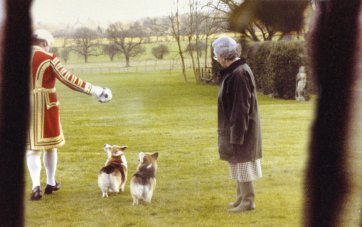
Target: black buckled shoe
column 36, row 193
column 49, row 188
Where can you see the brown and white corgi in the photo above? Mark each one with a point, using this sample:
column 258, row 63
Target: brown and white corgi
column 143, row 182
column 113, row 175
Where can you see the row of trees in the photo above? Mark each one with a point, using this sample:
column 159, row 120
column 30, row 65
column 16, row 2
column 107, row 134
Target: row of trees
column 195, row 28
column 121, row 39
column 128, row 39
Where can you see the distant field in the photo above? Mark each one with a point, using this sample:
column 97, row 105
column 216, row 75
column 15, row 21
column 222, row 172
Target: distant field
column 158, row 112
column 74, row 58
column 144, row 62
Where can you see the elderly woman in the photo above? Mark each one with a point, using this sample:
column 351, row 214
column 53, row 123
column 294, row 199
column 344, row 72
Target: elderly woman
column 239, row 130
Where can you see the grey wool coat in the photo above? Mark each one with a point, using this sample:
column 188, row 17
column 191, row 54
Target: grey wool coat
column 239, row 133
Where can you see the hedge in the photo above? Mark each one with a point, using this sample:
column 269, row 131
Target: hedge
column 275, row 65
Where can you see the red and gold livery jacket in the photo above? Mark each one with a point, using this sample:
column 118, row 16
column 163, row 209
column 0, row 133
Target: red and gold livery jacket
column 45, row 129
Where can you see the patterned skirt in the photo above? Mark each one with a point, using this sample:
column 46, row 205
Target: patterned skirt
column 246, row 171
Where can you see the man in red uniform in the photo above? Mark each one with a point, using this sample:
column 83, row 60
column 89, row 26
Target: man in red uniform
column 45, row 132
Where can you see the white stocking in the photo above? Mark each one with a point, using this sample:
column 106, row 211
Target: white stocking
column 50, row 160
column 34, row 166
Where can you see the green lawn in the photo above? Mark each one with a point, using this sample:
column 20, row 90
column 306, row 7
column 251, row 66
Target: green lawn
column 158, row 112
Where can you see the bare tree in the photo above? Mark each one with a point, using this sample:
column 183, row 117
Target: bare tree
column 191, row 30
column 174, row 20
column 201, row 22
column 128, row 40
column 212, row 24
column 86, row 42
column 153, row 27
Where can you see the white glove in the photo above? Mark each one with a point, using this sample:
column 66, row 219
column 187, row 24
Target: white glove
column 105, row 96
column 96, row 91
column 102, row 94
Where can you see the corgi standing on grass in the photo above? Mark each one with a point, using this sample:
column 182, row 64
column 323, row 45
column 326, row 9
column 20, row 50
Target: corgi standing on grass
column 143, row 182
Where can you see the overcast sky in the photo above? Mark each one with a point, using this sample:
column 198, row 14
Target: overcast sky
column 101, row 11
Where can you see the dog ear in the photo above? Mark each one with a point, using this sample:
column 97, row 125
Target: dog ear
column 107, row 147
column 117, row 148
column 141, row 156
column 124, row 147
column 155, row 155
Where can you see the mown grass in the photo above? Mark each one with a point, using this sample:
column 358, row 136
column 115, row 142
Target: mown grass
column 158, row 112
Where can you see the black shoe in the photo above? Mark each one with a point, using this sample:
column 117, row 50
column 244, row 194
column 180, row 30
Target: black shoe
column 36, row 193
column 49, row 188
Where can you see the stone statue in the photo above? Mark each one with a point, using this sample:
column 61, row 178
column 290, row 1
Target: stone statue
column 301, row 84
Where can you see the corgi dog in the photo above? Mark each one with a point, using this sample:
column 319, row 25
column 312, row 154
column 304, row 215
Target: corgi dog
column 113, row 176
column 143, row 182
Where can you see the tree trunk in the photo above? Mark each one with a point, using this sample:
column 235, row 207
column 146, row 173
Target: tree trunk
column 127, row 61
column 14, row 120
column 176, row 35
column 64, row 42
column 206, row 49
column 192, row 59
column 198, row 55
column 182, row 60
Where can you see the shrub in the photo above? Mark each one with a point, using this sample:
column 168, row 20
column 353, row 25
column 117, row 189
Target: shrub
column 198, row 46
column 286, row 60
column 263, row 70
column 159, row 51
column 276, row 65
column 248, row 51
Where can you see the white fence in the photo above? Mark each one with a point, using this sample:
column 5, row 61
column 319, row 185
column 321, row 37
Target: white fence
column 136, row 66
